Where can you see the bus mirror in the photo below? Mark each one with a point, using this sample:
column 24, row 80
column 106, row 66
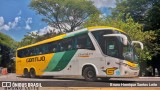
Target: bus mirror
column 124, row 37
column 141, row 44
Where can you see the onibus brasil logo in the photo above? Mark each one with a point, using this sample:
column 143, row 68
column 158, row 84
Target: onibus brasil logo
column 20, row 86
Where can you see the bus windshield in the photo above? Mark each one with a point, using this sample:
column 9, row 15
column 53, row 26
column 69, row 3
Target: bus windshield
column 114, row 47
column 129, row 53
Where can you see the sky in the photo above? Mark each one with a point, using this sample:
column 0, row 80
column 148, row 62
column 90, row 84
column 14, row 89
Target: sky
column 17, row 19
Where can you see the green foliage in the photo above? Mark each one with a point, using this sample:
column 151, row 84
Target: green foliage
column 94, row 20
column 133, row 29
column 7, row 50
column 137, row 8
column 7, row 41
column 31, row 38
column 64, row 15
column 152, row 17
column 145, row 12
column 28, row 39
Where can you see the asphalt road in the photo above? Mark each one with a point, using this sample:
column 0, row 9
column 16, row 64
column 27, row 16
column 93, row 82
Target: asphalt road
column 80, row 82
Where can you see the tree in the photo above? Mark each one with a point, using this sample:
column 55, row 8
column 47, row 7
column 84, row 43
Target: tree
column 136, row 8
column 28, row 39
column 65, row 15
column 152, row 18
column 145, row 12
column 33, row 37
column 133, row 29
column 94, row 20
column 8, row 47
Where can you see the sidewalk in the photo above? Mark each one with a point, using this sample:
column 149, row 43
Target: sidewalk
column 82, row 88
column 149, row 77
column 85, row 88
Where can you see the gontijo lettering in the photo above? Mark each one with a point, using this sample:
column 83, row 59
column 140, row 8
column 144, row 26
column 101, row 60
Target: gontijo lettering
column 35, row 59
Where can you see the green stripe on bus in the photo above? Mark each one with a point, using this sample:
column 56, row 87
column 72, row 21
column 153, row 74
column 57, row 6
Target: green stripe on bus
column 81, row 32
column 65, row 60
column 75, row 34
column 54, row 61
column 71, row 35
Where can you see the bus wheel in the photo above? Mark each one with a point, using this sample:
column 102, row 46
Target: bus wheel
column 26, row 73
column 32, row 73
column 89, row 74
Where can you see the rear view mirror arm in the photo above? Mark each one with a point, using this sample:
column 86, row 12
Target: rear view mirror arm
column 118, row 35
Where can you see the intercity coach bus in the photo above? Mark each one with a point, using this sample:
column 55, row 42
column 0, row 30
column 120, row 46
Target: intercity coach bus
column 93, row 52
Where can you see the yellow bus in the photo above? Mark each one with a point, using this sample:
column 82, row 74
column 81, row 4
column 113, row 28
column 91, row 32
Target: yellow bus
column 93, row 52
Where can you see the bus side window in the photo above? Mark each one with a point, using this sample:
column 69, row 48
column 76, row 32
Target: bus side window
column 31, row 52
column 52, row 47
column 60, row 47
column 68, row 44
column 24, row 53
column 40, row 50
column 63, row 46
column 84, row 42
column 20, row 53
column 90, row 45
column 27, row 52
column 81, row 41
column 36, row 50
column 43, row 49
column 112, row 49
column 78, row 46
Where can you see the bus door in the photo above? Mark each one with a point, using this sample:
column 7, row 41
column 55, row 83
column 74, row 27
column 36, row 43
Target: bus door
column 112, row 52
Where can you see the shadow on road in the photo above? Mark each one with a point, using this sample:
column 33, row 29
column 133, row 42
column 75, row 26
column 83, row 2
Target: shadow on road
column 74, row 82
column 50, row 78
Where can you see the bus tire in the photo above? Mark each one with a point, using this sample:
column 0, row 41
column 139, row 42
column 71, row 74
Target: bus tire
column 89, row 74
column 32, row 73
column 26, row 73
